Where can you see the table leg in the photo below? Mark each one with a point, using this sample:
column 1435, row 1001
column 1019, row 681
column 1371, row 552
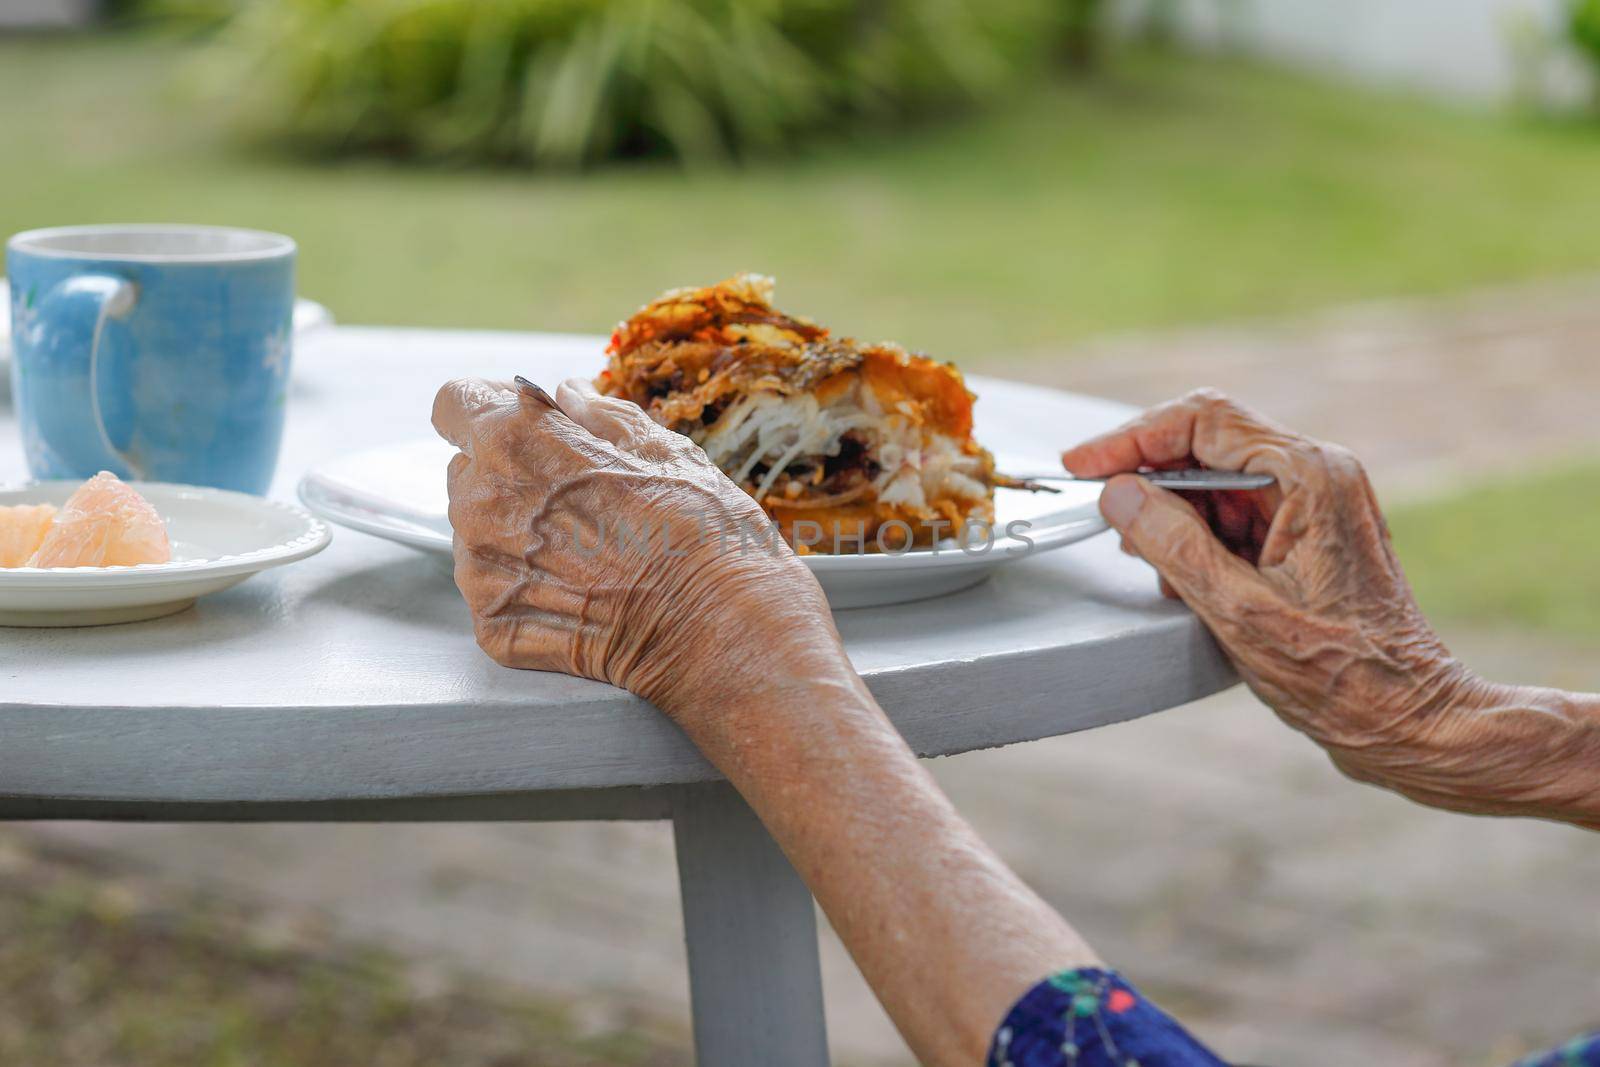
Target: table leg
column 755, row 978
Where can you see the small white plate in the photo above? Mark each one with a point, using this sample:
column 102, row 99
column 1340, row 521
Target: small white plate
column 398, row 492
column 308, row 317
column 219, row 538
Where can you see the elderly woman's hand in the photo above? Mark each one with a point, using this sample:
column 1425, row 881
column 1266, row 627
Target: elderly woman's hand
column 591, row 541
column 739, row 648
column 1302, row 589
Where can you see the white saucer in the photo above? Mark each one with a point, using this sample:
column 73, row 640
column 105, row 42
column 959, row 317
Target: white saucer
column 398, row 492
column 219, row 538
column 308, row 317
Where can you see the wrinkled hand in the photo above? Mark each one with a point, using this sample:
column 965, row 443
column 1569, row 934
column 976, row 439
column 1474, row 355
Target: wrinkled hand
column 591, row 541
column 1297, row 582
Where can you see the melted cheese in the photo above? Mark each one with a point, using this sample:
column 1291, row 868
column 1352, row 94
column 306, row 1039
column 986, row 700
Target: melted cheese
column 916, row 465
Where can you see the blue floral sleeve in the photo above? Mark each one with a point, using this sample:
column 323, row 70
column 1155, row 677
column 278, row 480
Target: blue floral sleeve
column 1579, row 1052
column 1092, row 1018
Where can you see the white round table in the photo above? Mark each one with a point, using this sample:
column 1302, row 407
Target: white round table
column 348, row 687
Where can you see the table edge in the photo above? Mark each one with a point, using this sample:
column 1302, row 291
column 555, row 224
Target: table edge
column 242, row 757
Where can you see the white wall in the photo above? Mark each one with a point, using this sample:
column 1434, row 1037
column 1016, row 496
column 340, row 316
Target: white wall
column 1457, row 48
column 38, row 14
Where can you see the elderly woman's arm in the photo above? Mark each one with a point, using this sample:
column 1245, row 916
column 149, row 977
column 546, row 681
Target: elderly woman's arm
column 581, row 547
column 1302, row 589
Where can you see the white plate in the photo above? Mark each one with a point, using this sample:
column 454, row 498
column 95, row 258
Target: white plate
column 398, row 492
column 308, row 316
column 219, row 538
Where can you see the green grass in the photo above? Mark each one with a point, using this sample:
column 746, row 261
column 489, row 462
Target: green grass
column 1509, row 554
column 98, row 967
column 1168, row 191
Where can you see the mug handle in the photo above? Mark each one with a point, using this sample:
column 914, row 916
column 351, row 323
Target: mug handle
column 80, row 306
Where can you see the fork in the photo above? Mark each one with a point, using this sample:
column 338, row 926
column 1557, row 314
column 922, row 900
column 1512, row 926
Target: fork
column 1188, row 480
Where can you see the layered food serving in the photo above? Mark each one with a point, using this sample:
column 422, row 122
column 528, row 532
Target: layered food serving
column 869, row 444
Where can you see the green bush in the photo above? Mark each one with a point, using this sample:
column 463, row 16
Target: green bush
column 1583, row 30
column 567, row 82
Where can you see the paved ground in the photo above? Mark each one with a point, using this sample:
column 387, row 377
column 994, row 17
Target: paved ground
column 1342, row 926
column 1290, row 916
column 1429, row 393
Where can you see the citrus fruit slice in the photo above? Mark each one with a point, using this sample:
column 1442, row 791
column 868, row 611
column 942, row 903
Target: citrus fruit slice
column 22, row 527
column 104, row 524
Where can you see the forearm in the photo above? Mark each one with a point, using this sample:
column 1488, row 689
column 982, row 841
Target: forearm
column 1505, row 750
column 944, row 932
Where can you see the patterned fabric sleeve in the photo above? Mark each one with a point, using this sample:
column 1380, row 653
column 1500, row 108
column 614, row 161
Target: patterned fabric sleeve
column 1092, row 1018
column 1579, row 1052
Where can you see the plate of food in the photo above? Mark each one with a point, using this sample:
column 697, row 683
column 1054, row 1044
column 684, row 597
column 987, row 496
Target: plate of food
column 864, row 456
column 106, row 551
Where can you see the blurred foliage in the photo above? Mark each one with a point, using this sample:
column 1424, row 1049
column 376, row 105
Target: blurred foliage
column 1081, row 32
column 1583, row 29
column 567, row 82
column 1165, row 190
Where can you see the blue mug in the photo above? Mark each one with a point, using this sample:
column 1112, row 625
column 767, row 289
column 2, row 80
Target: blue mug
column 156, row 352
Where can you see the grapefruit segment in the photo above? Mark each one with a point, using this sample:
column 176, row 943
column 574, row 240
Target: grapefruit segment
column 104, row 524
column 22, row 527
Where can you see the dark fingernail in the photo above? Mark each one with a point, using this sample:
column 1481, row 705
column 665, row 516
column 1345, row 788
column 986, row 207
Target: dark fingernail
column 529, row 389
